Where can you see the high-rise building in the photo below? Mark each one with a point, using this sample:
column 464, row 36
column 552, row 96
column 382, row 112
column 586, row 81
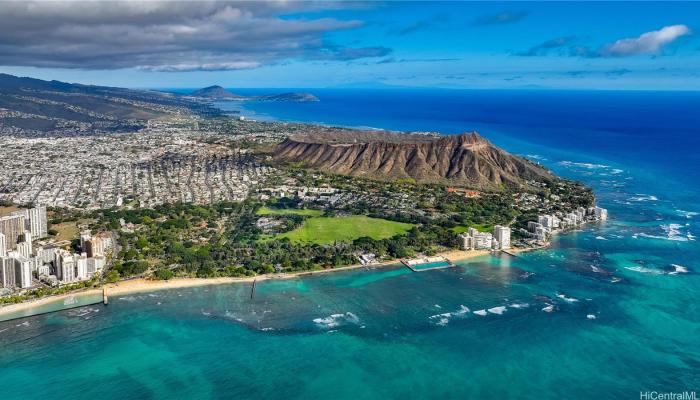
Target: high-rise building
column 65, row 266
column 502, row 235
column 35, row 220
column 12, row 226
column 85, row 237
column 96, row 264
column 24, row 249
column 600, row 213
column 23, row 272
column 3, row 245
column 38, row 223
column 7, row 271
column 547, row 221
column 473, row 239
column 95, row 246
column 81, row 263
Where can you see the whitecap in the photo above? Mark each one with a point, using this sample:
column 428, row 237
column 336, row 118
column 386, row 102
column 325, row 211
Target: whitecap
column 335, row 320
column 687, row 214
column 497, row 310
column 583, row 165
column 480, row 312
column 641, row 197
column 600, row 238
column 549, row 308
column 645, row 270
column 444, row 318
column 678, row 269
column 519, row 305
column 567, row 299
column 591, row 316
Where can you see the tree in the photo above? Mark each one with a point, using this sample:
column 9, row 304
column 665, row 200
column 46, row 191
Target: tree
column 163, row 274
column 112, row 276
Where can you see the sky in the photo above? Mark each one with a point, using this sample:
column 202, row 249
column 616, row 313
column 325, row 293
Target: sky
column 288, row 44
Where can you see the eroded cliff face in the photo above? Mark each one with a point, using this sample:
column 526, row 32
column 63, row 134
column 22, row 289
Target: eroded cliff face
column 467, row 159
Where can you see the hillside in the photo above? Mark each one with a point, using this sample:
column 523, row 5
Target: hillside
column 219, row 93
column 216, row 93
column 34, row 106
column 466, row 159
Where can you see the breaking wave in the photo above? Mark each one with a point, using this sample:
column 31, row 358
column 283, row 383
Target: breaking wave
column 336, row 320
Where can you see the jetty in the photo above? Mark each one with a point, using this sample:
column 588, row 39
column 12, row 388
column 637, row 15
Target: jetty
column 252, row 289
column 427, row 263
column 509, row 253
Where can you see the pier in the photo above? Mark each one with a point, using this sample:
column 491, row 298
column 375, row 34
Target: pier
column 252, row 289
column 427, row 264
column 510, row 254
column 105, row 299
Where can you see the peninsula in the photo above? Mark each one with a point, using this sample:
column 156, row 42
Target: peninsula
column 164, row 187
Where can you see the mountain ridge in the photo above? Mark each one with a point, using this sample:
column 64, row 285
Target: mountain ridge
column 465, row 159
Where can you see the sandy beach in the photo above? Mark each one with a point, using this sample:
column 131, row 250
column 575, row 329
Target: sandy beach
column 11, row 308
column 148, row 285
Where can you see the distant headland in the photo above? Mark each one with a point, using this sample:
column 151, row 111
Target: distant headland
column 219, row 93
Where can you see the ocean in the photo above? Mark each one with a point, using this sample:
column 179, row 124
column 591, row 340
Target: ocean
column 608, row 311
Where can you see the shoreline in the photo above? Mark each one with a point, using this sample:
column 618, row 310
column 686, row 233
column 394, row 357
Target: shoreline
column 142, row 285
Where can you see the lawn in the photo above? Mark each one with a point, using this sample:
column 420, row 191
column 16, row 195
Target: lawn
column 479, row 227
column 288, row 211
column 7, row 210
column 325, row 230
column 66, row 230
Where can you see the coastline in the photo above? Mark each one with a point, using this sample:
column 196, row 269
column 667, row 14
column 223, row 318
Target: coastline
column 142, row 285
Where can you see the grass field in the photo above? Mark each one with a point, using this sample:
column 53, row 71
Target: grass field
column 479, row 227
column 7, row 210
column 66, row 230
column 325, row 230
column 288, row 211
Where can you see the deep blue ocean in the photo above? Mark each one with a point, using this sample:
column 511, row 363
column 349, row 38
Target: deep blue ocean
column 607, row 312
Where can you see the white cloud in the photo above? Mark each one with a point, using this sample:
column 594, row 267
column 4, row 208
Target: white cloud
column 646, row 43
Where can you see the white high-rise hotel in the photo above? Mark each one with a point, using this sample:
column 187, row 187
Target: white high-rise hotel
column 35, row 221
column 502, row 235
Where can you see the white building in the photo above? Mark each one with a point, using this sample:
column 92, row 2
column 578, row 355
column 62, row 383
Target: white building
column 599, row 213
column 95, row 265
column 64, row 263
column 81, row 264
column 475, row 240
column 44, row 270
column 502, row 235
column 12, row 226
column 547, row 221
column 23, row 272
column 35, row 220
column 7, row 271
column 38, row 223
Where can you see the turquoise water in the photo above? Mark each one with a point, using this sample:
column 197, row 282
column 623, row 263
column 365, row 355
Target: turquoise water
column 431, row 265
column 74, row 301
column 606, row 312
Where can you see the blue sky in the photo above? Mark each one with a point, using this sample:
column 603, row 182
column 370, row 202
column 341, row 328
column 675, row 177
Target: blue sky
column 628, row 45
